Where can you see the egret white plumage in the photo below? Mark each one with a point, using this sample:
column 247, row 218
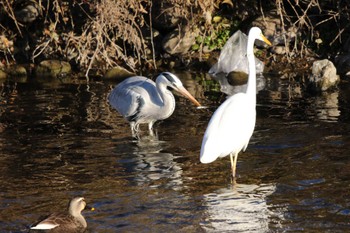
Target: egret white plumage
column 232, row 124
column 140, row 100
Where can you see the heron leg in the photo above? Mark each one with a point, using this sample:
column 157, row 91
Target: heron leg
column 150, row 128
column 134, row 129
column 233, row 157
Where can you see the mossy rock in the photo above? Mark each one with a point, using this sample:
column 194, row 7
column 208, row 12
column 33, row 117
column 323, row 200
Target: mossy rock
column 237, row 78
column 16, row 71
column 118, row 73
column 53, row 69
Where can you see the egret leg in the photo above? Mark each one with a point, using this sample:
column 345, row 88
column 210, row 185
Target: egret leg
column 233, row 157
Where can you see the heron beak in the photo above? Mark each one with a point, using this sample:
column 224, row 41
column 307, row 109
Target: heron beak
column 265, row 40
column 185, row 93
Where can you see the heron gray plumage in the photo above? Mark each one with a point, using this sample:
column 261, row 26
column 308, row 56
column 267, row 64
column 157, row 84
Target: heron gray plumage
column 141, row 101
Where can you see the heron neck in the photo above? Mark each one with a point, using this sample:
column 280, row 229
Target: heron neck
column 167, row 106
column 251, row 89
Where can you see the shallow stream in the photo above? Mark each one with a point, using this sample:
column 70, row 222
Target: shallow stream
column 60, row 139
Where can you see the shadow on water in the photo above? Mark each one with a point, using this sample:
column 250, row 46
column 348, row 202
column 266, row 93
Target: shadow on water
column 62, row 139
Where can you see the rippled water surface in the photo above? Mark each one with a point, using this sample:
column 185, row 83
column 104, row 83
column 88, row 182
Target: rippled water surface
column 62, row 139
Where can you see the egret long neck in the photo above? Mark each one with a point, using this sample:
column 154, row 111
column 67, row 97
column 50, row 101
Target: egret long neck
column 251, row 89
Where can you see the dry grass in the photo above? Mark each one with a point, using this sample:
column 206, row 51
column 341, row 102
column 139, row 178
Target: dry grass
column 96, row 35
column 319, row 23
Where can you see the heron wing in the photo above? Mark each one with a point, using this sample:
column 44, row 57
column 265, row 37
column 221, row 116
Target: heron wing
column 130, row 96
column 229, row 129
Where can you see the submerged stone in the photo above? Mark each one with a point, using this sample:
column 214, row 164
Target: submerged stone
column 53, row 69
column 17, row 71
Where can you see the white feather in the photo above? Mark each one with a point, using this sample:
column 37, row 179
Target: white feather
column 44, row 226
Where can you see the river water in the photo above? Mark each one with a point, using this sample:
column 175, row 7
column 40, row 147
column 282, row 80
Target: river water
column 60, row 139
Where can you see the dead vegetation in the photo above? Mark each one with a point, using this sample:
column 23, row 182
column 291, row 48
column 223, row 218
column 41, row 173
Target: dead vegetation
column 320, row 25
column 96, row 35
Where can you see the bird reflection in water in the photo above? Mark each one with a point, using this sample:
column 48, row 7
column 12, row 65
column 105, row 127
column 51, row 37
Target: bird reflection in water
column 154, row 167
column 244, row 210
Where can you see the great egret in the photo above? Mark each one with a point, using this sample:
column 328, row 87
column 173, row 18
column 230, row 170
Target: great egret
column 140, row 100
column 232, row 124
column 72, row 221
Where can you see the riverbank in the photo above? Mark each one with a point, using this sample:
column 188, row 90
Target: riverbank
column 147, row 36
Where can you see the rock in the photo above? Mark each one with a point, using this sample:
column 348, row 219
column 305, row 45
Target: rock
column 3, row 74
column 52, row 69
column 180, row 41
column 27, row 13
column 279, row 49
column 236, row 78
column 16, row 71
column 324, row 75
column 118, row 73
column 230, row 89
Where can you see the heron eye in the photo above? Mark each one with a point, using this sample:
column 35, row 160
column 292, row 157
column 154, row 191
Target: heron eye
column 170, row 88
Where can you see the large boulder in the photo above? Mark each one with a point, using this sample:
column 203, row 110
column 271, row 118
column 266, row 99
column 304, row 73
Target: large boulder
column 180, row 40
column 324, row 75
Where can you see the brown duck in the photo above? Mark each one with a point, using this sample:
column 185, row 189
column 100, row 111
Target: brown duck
column 71, row 221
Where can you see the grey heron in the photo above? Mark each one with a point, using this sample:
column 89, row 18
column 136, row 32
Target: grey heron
column 140, row 100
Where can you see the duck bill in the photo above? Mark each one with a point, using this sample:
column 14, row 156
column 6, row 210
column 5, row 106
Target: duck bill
column 185, row 93
column 87, row 207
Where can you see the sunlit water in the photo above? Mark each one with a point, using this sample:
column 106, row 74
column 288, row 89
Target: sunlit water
column 61, row 139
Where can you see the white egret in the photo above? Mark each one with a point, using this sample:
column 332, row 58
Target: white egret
column 71, row 221
column 140, row 100
column 232, row 124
